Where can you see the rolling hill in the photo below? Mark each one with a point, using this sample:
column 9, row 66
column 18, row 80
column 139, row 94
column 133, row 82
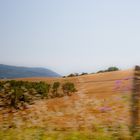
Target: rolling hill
column 9, row 72
column 101, row 104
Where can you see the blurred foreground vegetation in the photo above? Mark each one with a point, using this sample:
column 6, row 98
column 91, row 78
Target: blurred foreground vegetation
column 42, row 134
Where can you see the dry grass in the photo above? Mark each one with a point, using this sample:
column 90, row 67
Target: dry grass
column 102, row 102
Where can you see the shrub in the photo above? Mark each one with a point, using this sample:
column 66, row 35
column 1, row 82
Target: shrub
column 68, row 88
column 55, row 87
column 42, row 88
column 15, row 97
column 17, row 93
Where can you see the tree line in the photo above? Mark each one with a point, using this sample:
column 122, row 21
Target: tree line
column 85, row 73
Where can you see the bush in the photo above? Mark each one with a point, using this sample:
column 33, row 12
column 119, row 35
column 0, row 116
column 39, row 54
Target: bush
column 68, row 88
column 55, row 87
column 18, row 93
column 42, row 88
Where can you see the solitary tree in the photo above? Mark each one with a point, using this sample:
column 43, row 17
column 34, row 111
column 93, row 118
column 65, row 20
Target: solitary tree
column 112, row 69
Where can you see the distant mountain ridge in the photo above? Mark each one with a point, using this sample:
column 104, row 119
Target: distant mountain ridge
column 7, row 71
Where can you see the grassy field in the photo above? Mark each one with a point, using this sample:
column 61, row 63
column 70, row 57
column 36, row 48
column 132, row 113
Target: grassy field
column 99, row 110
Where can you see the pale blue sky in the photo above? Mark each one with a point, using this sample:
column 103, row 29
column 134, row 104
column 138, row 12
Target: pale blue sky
column 70, row 35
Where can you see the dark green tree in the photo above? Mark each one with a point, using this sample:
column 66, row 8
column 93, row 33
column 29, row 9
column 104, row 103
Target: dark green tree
column 112, row 69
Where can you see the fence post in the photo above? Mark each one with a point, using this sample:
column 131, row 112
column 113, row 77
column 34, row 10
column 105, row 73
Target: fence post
column 135, row 101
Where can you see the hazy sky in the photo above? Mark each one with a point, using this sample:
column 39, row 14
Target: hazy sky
column 70, row 35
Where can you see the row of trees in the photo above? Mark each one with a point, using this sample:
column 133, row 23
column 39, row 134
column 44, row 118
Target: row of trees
column 85, row 73
column 109, row 70
column 19, row 94
column 76, row 74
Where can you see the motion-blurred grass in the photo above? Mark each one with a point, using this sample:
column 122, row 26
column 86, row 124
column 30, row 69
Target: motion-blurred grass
column 42, row 134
